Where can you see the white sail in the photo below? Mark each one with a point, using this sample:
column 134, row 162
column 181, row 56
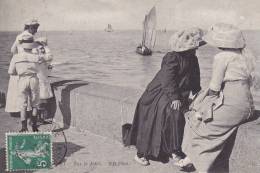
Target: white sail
column 149, row 29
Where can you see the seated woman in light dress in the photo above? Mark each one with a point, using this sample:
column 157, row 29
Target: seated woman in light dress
column 209, row 139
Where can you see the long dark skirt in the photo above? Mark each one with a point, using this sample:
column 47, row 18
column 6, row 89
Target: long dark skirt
column 156, row 128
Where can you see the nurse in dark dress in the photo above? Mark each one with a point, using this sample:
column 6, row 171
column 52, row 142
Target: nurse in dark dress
column 157, row 128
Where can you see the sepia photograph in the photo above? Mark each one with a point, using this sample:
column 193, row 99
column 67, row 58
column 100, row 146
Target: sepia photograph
column 122, row 86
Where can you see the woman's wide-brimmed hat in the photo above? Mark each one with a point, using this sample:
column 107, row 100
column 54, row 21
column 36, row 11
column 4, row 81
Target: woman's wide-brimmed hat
column 225, row 36
column 27, row 42
column 32, row 22
column 186, row 39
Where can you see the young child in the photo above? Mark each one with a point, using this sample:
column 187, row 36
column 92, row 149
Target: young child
column 45, row 66
column 26, row 65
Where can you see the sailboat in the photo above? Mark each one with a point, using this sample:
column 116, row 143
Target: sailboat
column 164, row 30
column 109, row 28
column 149, row 33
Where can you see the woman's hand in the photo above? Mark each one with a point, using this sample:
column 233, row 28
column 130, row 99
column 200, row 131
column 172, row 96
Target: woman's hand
column 176, row 104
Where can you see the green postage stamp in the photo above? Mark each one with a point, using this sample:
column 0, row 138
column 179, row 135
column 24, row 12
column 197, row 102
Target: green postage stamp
column 28, row 151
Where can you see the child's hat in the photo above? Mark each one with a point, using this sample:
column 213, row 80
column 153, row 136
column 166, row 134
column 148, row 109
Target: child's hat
column 31, row 22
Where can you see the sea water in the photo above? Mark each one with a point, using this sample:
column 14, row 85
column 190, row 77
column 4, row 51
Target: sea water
column 110, row 57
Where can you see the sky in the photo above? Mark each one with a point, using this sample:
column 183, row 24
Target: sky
column 127, row 14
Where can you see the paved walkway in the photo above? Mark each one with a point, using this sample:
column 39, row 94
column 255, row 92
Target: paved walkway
column 88, row 152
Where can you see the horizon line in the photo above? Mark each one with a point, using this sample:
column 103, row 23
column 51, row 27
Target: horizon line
column 72, row 30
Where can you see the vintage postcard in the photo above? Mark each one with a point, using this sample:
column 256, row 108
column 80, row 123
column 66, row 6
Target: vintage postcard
column 104, row 86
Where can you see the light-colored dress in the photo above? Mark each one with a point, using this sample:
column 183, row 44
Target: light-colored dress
column 11, row 98
column 44, row 72
column 209, row 144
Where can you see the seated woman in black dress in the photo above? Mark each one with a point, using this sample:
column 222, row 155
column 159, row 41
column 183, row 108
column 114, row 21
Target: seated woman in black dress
column 158, row 123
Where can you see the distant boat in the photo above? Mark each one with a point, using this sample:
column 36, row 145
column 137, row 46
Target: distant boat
column 109, row 28
column 149, row 33
column 164, row 30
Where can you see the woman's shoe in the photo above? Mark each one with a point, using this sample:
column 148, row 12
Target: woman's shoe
column 175, row 157
column 143, row 161
column 184, row 163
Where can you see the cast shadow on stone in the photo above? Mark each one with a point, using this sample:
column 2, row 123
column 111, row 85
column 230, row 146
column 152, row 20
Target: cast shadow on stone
column 64, row 103
column 63, row 150
column 51, row 102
